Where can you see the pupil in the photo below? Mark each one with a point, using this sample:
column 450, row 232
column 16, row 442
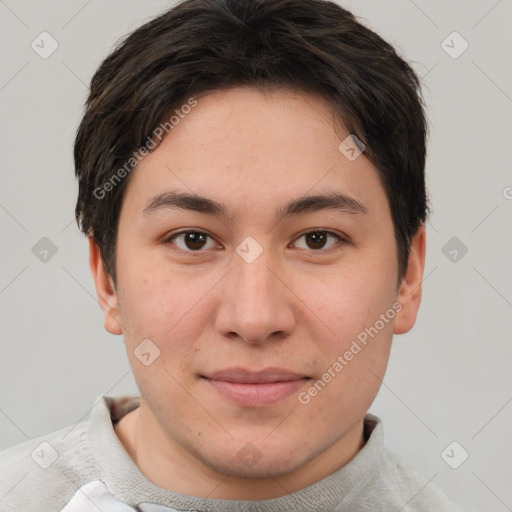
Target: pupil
column 194, row 240
column 317, row 239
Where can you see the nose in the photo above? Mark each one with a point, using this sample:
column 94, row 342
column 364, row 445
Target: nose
column 256, row 305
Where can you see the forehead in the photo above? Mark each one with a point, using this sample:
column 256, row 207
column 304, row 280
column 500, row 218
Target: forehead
column 249, row 148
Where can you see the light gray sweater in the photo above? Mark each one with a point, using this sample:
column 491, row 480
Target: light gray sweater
column 85, row 468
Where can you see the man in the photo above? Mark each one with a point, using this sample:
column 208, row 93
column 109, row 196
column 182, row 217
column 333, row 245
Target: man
column 251, row 182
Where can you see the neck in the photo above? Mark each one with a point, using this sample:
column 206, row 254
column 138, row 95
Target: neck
column 165, row 463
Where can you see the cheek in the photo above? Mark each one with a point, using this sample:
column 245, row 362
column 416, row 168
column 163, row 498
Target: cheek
column 349, row 302
column 361, row 313
column 168, row 309
column 358, row 309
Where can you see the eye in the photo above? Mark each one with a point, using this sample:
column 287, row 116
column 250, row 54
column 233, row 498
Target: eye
column 192, row 241
column 195, row 241
column 318, row 239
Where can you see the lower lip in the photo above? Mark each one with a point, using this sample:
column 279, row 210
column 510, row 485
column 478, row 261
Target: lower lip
column 257, row 395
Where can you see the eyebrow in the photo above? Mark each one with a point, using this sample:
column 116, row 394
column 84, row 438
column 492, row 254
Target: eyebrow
column 299, row 206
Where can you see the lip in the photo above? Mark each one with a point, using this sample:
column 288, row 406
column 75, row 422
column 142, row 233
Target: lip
column 256, row 389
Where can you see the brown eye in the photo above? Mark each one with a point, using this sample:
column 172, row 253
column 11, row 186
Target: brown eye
column 191, row 241
column 316, row 240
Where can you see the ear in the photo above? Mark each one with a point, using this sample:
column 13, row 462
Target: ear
column 409, row 294
column 105, row 289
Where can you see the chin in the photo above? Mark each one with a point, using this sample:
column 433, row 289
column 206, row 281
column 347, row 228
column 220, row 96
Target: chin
column 257, row 460
column 265, row 467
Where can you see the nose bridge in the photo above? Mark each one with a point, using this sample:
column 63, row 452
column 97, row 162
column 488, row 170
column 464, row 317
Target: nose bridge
column 255, row 279
column 256, row 304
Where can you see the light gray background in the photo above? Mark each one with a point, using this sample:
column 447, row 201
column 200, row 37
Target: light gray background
column 449, row 379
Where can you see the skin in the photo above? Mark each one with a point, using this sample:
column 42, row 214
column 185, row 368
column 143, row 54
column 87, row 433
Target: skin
column 298, row 306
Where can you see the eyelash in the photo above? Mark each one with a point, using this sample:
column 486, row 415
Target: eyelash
column 170, row 239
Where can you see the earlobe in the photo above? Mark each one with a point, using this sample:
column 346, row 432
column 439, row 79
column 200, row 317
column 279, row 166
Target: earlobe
column 409, row 295
column 105, row 289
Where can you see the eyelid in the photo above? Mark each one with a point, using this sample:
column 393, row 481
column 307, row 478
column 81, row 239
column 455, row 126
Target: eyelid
column 341, row 236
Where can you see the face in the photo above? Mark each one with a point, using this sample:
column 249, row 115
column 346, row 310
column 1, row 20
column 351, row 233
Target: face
column 268, row 308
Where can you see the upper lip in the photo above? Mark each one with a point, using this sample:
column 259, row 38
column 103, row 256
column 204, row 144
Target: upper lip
column 242, row 376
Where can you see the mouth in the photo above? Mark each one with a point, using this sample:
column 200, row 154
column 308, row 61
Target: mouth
column 255, row 389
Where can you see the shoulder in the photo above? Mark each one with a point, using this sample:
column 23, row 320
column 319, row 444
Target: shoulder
column 405, row 485
column 392, row 484
column 47, row 469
